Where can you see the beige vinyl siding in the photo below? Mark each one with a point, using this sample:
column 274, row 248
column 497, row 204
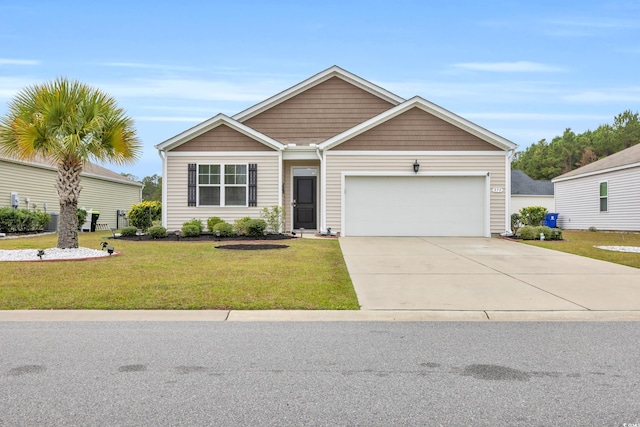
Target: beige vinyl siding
column 177, row 210
column 578, row 201
column 38, row 184
column 337, row 164
column 222, row 138
column 416, row 130
column 318, row 113
column 288, row 187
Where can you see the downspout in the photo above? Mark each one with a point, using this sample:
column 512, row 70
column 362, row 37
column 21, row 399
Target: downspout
column 323, row 199
column 507, row 190
column 163, row 156
column 281, row 184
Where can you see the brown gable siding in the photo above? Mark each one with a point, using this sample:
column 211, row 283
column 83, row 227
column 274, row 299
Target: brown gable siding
column 320, row 112
column 222, row 138
column 416, row 130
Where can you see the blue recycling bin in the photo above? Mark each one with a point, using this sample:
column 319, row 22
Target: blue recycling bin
column 550, row 220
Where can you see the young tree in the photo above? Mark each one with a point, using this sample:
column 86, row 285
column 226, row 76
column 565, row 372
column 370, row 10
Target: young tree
column 68, row 123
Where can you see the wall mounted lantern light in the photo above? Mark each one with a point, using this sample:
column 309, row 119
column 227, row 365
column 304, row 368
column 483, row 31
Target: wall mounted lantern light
column 416, row 166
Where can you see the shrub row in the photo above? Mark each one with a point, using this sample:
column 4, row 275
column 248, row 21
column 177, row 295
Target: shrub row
column 242, row 227
column 22, row 220
column 533, row 233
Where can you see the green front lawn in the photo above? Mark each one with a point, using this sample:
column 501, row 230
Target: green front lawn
column 310, row 274
column 583, row 242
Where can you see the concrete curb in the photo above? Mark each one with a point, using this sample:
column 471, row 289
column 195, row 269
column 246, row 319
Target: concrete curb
column 312, row 316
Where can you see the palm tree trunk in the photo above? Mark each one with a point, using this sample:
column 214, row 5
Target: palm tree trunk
column 68, row 186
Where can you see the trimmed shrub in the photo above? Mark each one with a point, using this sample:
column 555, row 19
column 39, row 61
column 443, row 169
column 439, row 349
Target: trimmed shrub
column 22, row 220
column 141, row 215
column 527, row 233
column 533, row 215
column 130, row 231
column 548, row 233
column 225, row 229
column 190, row 230
column 158, row 232
column 240, row 225
column 82, row 217
column 274, row 217
column 211, row 222
column 256, row 227
column 592, row 228
column 196, row 223
column 557, row 234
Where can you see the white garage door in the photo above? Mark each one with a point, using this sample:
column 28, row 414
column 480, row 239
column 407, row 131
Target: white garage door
column 415, row 206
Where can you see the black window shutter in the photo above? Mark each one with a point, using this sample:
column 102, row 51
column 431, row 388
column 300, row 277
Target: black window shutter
column 253, row 184
column 191, row 185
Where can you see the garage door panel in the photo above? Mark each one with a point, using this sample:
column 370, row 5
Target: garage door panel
column 414, row 206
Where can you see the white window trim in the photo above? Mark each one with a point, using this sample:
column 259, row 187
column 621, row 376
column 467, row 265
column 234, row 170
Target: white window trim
column 223, row 185
column 603, row 197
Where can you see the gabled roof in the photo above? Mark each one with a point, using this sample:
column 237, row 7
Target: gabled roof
column 89, row 169
column 322, row 76
column 624, row 159
column 214, row 122
column 523, row 184
column 430, row 108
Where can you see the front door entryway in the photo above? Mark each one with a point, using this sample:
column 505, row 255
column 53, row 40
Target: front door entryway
column 304, row 202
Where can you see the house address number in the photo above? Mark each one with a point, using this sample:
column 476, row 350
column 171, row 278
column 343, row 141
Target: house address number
column 497, row 190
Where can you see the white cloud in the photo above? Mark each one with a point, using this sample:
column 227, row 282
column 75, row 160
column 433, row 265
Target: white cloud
column 630, row 94
column 497, row 91
column 10, row 61
column 146, row 66
column 210, row 90
column 509, row 67
column 602, row 23
column 10, row 86
column 585, row 27
column 533, row 116
column 169, row 119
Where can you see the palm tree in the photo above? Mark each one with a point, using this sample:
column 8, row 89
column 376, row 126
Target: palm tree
column 67, row 123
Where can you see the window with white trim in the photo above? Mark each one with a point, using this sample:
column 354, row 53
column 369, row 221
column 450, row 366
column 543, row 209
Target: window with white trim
column 604, row 196
column 222, row 185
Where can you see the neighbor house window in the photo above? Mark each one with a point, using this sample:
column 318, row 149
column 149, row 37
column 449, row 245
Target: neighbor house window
column 222, row 185
column 604, row 196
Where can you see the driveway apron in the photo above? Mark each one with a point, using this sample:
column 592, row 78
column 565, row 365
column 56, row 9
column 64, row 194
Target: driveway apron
column 459, row 273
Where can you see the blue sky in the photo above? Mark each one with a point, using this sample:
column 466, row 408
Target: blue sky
column 524, row 70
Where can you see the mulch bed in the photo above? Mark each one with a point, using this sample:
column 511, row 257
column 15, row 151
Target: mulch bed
column 252, row 246
column 205, row 237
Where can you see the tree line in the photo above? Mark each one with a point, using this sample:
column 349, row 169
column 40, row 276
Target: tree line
column 547, row 160
column 152, row 190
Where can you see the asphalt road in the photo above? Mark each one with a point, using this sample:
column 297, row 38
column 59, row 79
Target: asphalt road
column 330, row 373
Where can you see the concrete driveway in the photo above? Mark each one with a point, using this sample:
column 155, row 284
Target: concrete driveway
column 451, row 273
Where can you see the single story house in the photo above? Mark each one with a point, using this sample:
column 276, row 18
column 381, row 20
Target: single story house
column 603, row 194
column 31, row 185
column 339, row 152
column 526, row 192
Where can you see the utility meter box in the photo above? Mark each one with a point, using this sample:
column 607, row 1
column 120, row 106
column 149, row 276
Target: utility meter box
column 15, row 200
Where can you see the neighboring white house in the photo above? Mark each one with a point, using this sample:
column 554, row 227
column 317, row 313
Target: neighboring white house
column 603, row 194
column 31, row 184
column 526, row 192
column 340, row 152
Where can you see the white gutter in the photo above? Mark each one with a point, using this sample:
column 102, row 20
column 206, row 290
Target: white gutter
column 163, row 156
column 507, row 190
column 322, row 189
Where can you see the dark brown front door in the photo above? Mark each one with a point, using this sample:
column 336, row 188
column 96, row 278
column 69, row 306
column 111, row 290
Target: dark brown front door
column 304, row 202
